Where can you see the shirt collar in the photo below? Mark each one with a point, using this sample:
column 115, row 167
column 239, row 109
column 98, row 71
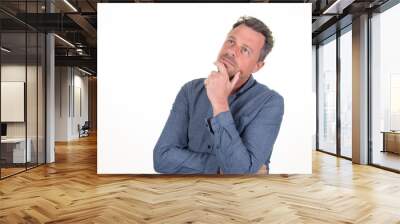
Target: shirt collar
column 246, row 85
column 249, row 83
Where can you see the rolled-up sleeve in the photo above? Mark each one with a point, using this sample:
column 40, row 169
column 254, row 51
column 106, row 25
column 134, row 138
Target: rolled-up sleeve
column 171, row 153
column 246, row 153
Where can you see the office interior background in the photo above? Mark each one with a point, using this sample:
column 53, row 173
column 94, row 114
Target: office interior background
column 48, row 118
column 48, row 81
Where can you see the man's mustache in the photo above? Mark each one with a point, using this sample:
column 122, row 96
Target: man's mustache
column 229, row 59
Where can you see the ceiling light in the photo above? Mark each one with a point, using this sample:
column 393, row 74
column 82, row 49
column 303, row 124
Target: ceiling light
column 70, row 5
column 64, row 40
column 84, row 71
column 338, row 6
column 5, row 50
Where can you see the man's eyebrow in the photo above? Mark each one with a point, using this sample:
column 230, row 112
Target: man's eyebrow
column 245, row 45
column 251, row 49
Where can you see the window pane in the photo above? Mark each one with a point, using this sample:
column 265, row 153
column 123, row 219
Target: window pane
column 386, row 88
column 327, row 96
column 346, row 94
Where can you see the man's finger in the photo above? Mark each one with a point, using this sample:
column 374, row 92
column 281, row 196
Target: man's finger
column 235, row 79
column 221, row 68
column 213, row 73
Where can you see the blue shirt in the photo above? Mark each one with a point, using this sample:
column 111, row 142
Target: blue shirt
column 238, row 141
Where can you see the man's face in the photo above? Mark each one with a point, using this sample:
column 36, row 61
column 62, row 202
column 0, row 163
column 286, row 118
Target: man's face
column 241, row 51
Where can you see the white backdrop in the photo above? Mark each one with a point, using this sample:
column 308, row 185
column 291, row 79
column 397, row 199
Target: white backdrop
column 146, row 52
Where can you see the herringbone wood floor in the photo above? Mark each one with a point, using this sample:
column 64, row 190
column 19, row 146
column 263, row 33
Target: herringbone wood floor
column 70, row 191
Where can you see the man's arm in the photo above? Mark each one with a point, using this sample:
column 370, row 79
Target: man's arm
column 171, row 153
column 247, row 153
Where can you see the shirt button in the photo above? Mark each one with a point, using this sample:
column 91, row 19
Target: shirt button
column 209, row 146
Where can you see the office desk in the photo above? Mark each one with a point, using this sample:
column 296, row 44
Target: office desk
column 391, row 141
column 13, row 150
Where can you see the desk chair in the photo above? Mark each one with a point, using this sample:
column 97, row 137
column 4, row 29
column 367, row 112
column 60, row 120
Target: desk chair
column 84, row 130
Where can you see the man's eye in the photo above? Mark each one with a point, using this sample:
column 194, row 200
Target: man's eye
column 245, row 51
column 230, row 41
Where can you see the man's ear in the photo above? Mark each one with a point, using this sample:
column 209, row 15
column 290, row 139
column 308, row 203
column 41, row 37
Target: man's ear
column 258, row 66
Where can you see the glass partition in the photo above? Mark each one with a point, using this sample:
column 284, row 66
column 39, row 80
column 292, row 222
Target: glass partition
column 32, row 95
column 13, row 105
column 41, row 111
column 22, row 77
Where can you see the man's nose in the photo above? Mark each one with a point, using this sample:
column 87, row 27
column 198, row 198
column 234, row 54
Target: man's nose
column 232, row 51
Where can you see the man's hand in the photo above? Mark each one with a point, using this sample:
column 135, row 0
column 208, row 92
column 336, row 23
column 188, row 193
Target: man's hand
column 219, row 88
column 262, row 170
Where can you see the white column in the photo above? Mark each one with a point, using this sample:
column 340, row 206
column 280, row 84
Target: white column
column 50, row 92
column 360, row 90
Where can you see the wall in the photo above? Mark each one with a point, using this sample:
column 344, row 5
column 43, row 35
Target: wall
column 80, row 109
column 17, row 73
column 71, row 102
column 14, row 73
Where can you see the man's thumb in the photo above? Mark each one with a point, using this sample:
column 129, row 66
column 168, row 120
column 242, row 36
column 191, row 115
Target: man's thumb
column 235, row 79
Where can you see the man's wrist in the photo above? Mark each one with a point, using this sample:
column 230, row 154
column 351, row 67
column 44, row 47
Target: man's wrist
column 219, row 108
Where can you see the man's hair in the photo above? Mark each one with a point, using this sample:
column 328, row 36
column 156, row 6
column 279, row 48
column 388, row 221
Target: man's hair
column 258, row 26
